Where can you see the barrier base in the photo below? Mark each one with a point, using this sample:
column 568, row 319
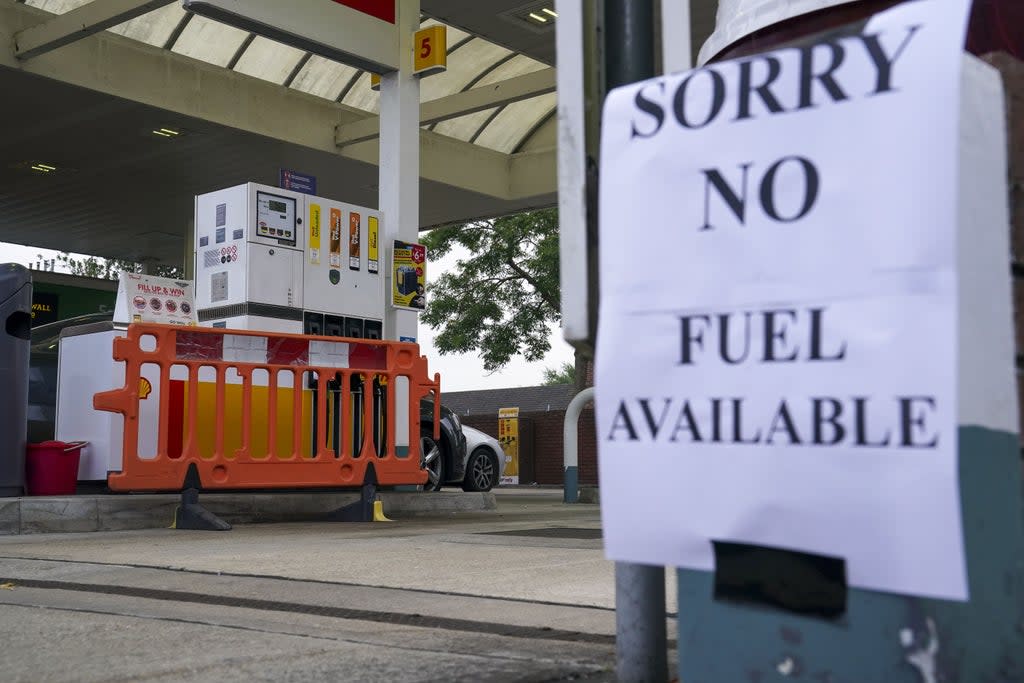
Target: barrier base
column 191, row 515
column 363, row 509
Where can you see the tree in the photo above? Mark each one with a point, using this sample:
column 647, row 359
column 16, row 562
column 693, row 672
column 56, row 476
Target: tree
column 108, row 268
column 563, row 375
column 500, row 299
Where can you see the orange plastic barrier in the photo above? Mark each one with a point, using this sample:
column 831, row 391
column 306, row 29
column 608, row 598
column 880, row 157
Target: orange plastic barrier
column 309, row 434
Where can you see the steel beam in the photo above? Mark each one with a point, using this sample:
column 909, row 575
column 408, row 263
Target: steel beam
column 453, row 106
column 578, row 52
column 533, row 173
column 90, row 18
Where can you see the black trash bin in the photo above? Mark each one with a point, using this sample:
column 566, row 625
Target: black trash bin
column 16, row 319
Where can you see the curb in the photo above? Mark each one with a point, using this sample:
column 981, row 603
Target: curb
column 64, row 514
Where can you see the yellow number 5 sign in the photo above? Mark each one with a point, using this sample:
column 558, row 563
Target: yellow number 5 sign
column 431, row 56
column 431, row 51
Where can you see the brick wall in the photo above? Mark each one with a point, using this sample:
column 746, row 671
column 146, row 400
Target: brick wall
column 540, row 449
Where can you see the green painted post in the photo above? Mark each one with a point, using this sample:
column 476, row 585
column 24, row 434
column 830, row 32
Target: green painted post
column 887, row 638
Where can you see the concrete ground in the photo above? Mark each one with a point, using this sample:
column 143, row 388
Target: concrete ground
column 518, row 593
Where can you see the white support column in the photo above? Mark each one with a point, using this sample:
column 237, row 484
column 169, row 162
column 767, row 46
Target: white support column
column 676, row 47
column 400, row 161
column 572, row 172
column 399, row 195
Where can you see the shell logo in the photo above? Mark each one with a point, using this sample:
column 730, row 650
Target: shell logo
column 145, row 388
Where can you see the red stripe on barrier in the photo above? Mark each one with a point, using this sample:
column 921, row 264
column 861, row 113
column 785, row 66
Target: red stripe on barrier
column 198, row 346
column 365, row 356
column 175, row 418
column 287, row 351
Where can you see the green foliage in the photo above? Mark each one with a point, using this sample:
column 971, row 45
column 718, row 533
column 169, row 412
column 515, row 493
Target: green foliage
column 108, row 269
column 501, row 298
column 562, row 375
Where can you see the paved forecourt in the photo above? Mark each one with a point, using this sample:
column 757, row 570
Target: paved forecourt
column 518, row 592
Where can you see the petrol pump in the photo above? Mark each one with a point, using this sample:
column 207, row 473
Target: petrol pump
column 268, row 260
column 274, row 260
column 271, row 259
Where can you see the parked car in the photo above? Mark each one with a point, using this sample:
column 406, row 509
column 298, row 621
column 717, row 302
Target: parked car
column 484, row 462
column 445, row 462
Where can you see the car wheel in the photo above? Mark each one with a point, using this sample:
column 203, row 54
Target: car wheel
column 432, row 460
column 481, row 472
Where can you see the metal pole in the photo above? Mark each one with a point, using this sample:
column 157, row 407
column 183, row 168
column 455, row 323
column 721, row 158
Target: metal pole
column 640, row 638
column 570, row 450
column 629, row 41
column 641, row 651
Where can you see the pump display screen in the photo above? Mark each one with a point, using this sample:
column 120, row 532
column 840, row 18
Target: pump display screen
column 275, row 217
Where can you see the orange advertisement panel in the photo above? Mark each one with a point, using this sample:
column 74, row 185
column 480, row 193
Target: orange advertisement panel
column 334, row 258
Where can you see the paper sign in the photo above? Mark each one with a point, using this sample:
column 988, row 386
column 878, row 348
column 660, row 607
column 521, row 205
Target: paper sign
column 408, row 275
column 784, row 374
column 152, row 299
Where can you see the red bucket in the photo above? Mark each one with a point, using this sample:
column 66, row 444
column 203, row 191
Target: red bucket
column 51, row 468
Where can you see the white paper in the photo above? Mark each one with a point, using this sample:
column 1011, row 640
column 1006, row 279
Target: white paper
column 859, row 275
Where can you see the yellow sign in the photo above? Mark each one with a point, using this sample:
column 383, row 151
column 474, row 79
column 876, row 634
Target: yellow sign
column 409, row 276
column 314, row 234
column 145, row 388
column 431, row 54
column 373, row 260
column 431, row 51
column 508, row 437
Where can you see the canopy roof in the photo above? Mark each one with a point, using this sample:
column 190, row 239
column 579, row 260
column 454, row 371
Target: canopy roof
column 473, row 62
column 89, row 103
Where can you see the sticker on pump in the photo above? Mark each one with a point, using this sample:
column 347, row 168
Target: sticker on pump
column 335, row 250
column 354, row 228
column 314, row 234
column 373, row 258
